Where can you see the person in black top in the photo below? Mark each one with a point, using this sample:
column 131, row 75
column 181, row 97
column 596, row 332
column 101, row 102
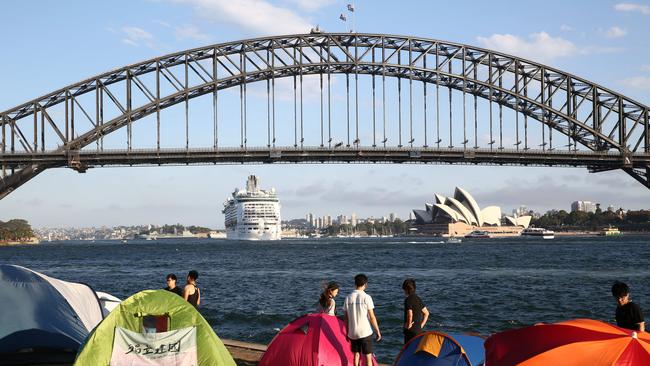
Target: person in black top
column 171, row 285
column 191, row 292
column 628, row 314
column 415, row 313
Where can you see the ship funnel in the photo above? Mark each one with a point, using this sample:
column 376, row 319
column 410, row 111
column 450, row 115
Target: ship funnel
column 251, row 184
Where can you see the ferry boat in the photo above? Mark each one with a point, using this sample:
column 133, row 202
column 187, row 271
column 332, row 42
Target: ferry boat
column 610, row 231
column 252, row 213
column 478, row 234
column 538, row 232
column 454, row 240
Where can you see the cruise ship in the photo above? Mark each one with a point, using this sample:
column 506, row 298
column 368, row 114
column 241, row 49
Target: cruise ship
column 252, row 213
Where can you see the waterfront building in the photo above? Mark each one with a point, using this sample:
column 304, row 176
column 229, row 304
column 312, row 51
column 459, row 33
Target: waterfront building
column 584, row 206
column 461, row 214
column 253, row 213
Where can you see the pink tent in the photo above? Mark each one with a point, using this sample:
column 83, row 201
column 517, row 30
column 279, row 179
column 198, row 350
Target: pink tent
column 311, row 340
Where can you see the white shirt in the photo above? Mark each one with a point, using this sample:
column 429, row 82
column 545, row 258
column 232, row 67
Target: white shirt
column 356, row 306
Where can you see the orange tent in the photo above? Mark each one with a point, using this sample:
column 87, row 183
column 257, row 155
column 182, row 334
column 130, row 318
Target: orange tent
column 570, row 343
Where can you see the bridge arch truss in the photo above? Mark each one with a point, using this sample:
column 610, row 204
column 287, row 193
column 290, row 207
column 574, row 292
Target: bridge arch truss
column 583, row 124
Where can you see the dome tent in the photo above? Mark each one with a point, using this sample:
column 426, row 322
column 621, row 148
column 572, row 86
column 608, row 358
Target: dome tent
column 440, row 349
column 172, row 316
column 44, row 319
column 311, row 340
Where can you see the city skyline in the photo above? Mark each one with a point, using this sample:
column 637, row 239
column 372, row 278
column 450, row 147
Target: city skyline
column 588, row 45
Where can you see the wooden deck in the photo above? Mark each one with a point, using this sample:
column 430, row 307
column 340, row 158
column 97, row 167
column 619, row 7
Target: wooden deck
column 248, row 354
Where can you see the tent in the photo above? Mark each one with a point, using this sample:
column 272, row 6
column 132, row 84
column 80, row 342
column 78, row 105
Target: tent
column 572, row 342
column 154, row 327
column 108, row 302
column 311, row 340
column 43, row 319
column 440, row 349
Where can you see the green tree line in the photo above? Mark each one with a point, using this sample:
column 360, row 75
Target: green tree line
column 15, row 230
column 388, row 228
column 578, row 220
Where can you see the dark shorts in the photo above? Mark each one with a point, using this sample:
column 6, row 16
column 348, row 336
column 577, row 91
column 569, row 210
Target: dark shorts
column 362, row 345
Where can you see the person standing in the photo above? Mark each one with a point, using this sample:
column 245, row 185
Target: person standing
column 359, row 317
column 191, row 293
column 326, row 303
column 415, row 313
column 628, row 314
column 171, row 285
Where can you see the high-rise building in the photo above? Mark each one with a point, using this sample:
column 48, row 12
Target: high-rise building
column 310, row 218
column 584, row 206
column 391, row 216
column 328, row 220
column 353, row 219
column 319, row 223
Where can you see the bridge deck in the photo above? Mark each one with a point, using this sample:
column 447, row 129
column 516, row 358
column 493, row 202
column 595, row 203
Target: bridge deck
column 90, row 158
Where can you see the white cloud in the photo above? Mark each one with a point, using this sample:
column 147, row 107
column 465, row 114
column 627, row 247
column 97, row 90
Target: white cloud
column 566, row 28
column 539, row 46
column 190, row 31
column 633, row 7
column 637, row 82
column 312, row 5
column 615, row 32
column 645, row 67
column 162, row 23
column 130, row 42
column 135, row 36
column 258, row 16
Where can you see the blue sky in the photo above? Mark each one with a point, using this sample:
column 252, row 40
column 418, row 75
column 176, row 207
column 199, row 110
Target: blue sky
column 48, row 45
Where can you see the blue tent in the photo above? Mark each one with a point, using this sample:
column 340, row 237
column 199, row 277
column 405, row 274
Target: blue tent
column 43, row 318
column 440, row 349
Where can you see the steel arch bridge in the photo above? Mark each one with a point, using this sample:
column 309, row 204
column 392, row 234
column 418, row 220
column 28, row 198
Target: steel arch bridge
column 581, row 123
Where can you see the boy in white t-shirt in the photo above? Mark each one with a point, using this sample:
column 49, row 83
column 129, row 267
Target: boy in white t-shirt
column 359, row 316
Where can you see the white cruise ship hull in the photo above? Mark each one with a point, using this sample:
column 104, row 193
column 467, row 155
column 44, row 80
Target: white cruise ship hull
column 235, row 234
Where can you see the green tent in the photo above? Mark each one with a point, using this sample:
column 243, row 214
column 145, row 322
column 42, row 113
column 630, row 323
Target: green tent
column 144, row 314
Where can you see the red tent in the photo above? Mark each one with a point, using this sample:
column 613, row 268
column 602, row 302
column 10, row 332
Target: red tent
column 570, row 343
column 311, row 340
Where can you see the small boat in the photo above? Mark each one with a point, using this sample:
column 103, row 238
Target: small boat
column 538, row 232
column 609, row 231
column 454, row 240
column 478, row 234
column 124, row 241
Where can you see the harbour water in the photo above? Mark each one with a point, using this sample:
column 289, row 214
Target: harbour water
column 250, row 290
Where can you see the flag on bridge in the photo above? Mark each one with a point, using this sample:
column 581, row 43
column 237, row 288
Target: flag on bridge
column 343, row 17
column 350, row 7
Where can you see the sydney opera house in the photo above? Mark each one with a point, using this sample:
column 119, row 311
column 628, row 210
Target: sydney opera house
column 460, row 215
